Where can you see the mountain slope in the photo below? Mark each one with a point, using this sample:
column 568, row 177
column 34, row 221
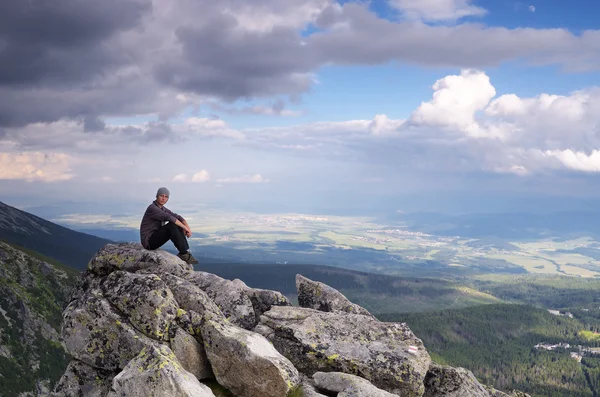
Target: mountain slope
column 65, row 245
column 32, row 295
column 497, row 343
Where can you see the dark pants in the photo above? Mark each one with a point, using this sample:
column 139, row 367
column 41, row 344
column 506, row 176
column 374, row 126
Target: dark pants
column 172, row 232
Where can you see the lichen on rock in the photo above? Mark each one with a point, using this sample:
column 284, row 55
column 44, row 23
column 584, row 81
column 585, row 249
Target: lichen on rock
column 144, row 299
column 355, row 344
column 246, row 363
column 95, row 334
column 157, row 372
column 320, row 296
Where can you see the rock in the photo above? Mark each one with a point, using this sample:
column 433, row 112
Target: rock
column 497, row 393
column 348, row 385
column 190, row 297
column 307, row 387
column 132, row 257
column 86, row 282
column 191, row 322
column 444, row 381
column 229, row 296
column 355, row 344
column 93, row 333
column 81, row 379
column 319, row 296
column 191, row 354
column 145, row 300
column 263, row 299
column 246, row 363
column 156, row 372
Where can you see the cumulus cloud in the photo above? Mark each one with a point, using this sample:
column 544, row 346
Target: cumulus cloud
column 201, row 176
column 381, row 125
column 180, row 178
column 256, row 178
column 35, row 166
column 464, row 127
column 456, row 100
column 437, row 10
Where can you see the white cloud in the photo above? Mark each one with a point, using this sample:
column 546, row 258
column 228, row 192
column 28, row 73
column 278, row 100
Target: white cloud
column 256, row 178
column 180, row 178
column 532, row 8
column 456, row 101
column 36, row 166
column 578, row 161
column 381, row 125
column 201, row 176
column 206, row 127
column 463, row 127
column 107, row 179
column 438, row 10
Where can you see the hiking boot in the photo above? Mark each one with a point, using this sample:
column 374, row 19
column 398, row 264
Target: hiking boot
column 188, row 258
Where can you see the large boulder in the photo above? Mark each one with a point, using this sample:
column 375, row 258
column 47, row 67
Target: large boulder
column 81, row 379
column 388, row 355
column 132, row 257
column 263, row 300
column 144, row 299
column 190, row 297
column 445, row 381
column 246, row 363
column 229, row 296
column 156, row 372
column 347, row 385
column 191, row 355
column 95, row 334
column 319, row 296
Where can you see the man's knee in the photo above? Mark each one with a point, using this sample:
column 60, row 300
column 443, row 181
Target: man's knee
column 173, row 228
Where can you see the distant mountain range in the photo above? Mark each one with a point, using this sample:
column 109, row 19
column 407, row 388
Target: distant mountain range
column 65, row 245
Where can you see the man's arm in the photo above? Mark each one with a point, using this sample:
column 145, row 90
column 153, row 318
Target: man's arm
column 180, row 221
column 186, row 228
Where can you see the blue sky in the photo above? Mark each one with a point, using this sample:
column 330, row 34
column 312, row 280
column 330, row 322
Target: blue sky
column 306, row 105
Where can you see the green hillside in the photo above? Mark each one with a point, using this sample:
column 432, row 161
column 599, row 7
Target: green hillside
column 33, row 290
column 497, row 342
column 65, row 245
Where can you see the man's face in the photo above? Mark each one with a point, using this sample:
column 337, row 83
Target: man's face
column 162, row 199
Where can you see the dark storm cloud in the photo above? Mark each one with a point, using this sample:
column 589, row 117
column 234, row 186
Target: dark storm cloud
column 219, row 59
column 93, row 124
column 61, row 41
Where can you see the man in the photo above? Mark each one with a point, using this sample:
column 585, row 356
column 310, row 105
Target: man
column 160, row 225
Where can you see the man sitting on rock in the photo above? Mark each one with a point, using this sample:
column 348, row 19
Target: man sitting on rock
column 160, row 225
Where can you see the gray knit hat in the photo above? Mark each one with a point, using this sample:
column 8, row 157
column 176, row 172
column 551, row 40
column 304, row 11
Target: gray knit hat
column 163, row 190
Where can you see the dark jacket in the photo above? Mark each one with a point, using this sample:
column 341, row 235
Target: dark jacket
column 153, row 219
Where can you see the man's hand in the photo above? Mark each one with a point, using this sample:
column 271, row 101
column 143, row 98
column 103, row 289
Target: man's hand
column 186, row 228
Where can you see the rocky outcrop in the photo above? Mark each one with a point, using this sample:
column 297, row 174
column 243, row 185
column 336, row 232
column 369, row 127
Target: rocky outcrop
column 350, row 343
column 452, row 382
column 142, row 323
column 319, row 296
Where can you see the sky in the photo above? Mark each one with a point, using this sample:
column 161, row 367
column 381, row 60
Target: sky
column 300, row 105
